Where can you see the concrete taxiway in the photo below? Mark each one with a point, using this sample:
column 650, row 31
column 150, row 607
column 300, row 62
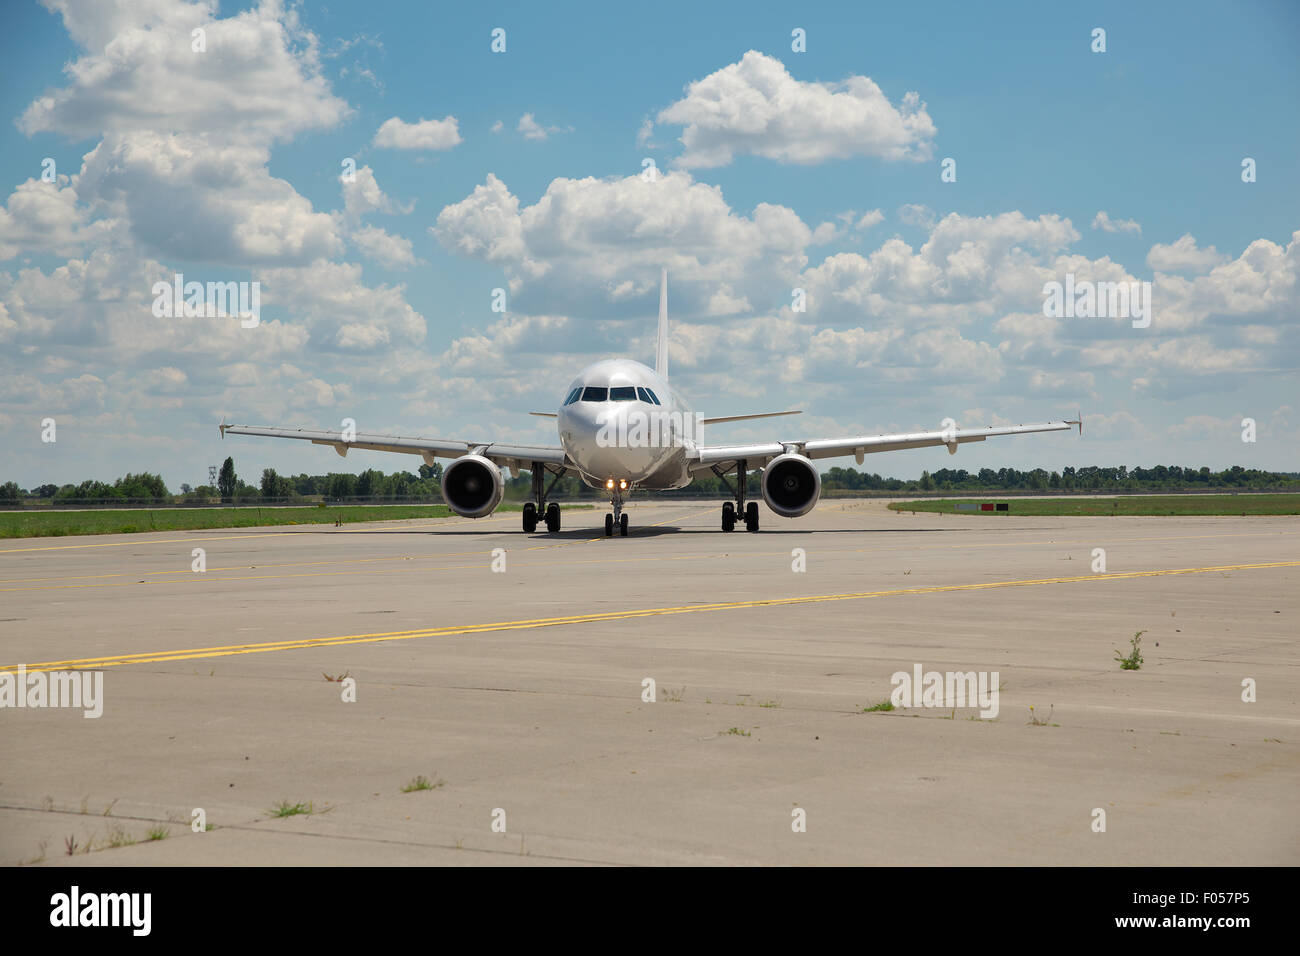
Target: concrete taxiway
column 518, row 693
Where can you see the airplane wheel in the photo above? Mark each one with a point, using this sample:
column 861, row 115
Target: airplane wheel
column 751, row 516
column 728, row 517
column 552, row 517
column 530, row 517
column 622, row 525
column 609, row 526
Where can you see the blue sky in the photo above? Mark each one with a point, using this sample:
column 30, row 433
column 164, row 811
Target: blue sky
column 925, row 296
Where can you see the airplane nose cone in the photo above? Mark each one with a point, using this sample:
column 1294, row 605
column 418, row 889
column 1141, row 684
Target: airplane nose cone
column 611, row 440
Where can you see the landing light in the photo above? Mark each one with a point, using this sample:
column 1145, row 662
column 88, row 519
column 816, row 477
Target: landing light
column 610, row 483
column 622, row 483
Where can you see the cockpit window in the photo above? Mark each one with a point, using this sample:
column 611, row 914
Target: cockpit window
column 643, row 395
column 573, row 396
column 594, row 393
column 653, row 397
column 622, row 393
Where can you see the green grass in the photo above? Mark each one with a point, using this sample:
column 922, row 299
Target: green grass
column 31, row 524
column 422, row 783
column 736, row 731
column 1133, row 660
column 1040, row 721
column 1124, row 505
column 158, row 832
column 286, row 809
column 118, row 837
column 884, row 706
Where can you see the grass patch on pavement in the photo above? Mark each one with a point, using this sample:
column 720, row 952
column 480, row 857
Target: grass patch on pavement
column 1132, row 505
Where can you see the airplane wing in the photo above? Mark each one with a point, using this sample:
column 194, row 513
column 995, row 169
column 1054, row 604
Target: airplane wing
column 743, row 418
column 510, row 456
column 707, row 457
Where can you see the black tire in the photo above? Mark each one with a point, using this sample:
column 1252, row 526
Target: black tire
column 751, row 516
column 609, row 526
column 552, row 517
column 728, row 517
column 530, row 517
column 622, row 525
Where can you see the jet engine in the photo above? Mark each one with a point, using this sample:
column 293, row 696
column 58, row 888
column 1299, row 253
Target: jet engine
column 472, row 486
column 791, row 485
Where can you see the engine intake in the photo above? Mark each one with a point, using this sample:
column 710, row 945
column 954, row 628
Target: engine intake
column 472, row 486
column 791, row 485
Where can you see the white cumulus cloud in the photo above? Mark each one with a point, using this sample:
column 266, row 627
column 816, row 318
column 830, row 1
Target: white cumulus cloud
column 258, row 79
column 1183, row 255
column 756, row 107
column 1103, row 222
column 531, row 129
column 395, row 133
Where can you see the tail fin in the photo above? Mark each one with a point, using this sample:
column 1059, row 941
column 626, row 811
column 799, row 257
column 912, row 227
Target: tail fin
column 661, row 353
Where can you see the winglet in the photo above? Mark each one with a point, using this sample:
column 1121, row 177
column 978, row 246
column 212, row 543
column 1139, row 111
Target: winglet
column 222, row 427
column 1078, row 421
column 661, row 353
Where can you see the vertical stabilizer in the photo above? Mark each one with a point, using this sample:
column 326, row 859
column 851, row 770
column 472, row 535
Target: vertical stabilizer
column 661, row 352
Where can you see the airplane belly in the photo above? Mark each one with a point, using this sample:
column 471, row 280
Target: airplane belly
column 632, row 464
column 671, row 473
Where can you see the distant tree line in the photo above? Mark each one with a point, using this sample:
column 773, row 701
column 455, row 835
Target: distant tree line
column 371, row 483
column 143, row 487
column 425, row 484
column 1094, row 479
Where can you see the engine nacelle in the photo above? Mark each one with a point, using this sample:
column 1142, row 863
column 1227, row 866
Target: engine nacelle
column 472, row 486
column 791, row 485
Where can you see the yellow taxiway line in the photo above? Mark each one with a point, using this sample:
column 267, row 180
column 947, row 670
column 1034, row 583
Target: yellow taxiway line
column 154, row 657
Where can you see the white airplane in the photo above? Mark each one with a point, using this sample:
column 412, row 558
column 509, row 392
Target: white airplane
column 623, row 427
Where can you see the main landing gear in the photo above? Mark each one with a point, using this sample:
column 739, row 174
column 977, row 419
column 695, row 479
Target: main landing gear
column 549, row 513
column 550, row 516
column 749, row 512
column 618, row 518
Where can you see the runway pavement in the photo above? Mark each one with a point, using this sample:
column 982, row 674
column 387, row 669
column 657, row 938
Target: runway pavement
column 518, row 692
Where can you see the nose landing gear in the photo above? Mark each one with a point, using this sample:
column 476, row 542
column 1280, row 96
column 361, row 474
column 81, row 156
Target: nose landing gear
column 618, row 518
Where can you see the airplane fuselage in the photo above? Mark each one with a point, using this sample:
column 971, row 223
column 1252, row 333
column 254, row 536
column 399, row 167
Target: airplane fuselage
column 622, row 422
